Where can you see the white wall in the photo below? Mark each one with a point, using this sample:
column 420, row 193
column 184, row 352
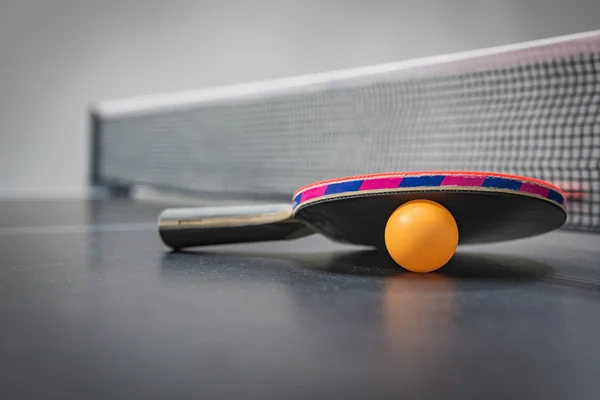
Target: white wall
column 57, row 56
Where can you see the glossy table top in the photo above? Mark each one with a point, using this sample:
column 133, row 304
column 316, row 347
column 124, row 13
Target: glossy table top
column 92, row 305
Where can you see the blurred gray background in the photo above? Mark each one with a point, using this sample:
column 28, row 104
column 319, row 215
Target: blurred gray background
column 58, row 56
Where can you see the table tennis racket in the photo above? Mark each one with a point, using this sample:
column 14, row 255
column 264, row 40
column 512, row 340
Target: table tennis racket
column 487, row 207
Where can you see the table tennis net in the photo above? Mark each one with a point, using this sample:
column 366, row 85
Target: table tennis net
column 530, row 109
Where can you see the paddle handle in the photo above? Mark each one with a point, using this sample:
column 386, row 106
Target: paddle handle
column 202, row 226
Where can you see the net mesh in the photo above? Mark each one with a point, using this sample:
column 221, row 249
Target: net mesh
column 530, row 112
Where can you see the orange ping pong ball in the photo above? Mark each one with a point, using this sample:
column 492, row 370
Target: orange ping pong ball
column 421, row 236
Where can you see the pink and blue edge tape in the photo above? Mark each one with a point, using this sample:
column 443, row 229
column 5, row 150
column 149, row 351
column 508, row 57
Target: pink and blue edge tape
column 429, row 181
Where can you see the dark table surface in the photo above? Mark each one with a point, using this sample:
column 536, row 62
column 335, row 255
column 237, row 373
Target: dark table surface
column 92, row 305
